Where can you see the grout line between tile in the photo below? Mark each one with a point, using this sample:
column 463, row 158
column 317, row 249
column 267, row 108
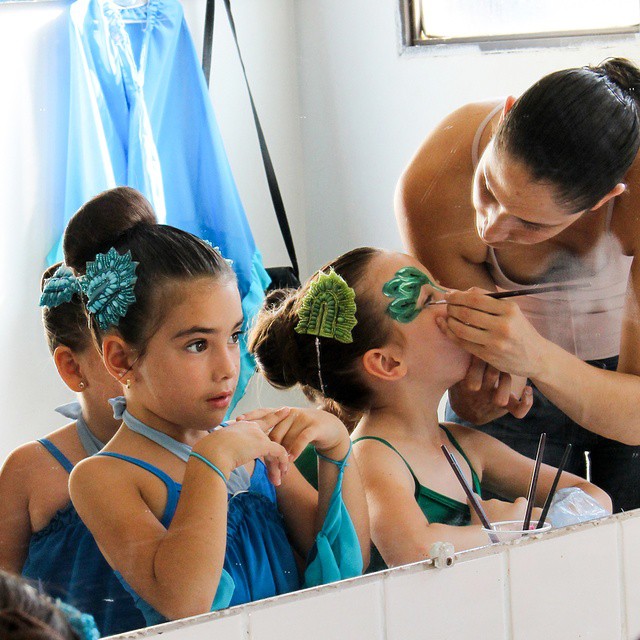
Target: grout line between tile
column 508, row 612
column 622, row 582
column 382, row 603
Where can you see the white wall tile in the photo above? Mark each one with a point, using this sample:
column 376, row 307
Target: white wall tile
column 631, row 572
column 567, row 587
column 226, row 627
column 463, row 601
column 344, row 613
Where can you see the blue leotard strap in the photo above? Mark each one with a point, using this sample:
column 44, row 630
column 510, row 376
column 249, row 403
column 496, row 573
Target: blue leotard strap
column 57, row 454
column 341, row 464
column 336, row 554
column 173, row 487
column 89, row 442
column 239, row 479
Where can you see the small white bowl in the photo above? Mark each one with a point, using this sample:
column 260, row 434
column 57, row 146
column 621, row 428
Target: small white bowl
column 512, row 529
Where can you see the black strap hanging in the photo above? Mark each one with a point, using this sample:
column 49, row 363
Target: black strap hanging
column 207, row 44
column 282, row 277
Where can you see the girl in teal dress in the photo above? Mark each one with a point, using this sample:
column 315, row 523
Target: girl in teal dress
column 199, row 516
column 393, row 374
column 41, row 535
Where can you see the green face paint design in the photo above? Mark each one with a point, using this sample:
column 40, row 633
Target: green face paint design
column 328, row 309
column 405, row 287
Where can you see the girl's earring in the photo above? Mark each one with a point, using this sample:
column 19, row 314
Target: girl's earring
column 82, row 385
column 128, row 384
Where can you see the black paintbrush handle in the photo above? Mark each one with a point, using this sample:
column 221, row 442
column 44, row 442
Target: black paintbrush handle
column 470, row 495
column 531, row 496
column 554, row 486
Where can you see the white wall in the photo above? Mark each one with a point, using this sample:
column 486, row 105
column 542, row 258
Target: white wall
column 581, row 582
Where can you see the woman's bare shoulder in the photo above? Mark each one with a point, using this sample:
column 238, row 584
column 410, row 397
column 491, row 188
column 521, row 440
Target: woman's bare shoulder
column 452, row 137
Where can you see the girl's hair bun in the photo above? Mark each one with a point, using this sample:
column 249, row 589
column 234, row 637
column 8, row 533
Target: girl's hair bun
column 98, row 224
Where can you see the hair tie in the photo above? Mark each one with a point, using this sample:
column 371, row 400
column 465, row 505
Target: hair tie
column 108, row 285
column 60, row 287
column 328, row 310
column 82, row 623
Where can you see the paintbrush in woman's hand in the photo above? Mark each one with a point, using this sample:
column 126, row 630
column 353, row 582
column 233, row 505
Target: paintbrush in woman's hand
column 545, row 288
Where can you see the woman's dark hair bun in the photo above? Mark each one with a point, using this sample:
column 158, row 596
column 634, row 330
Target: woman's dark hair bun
column 622, row 72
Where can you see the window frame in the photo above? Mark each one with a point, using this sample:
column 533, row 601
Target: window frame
column 509, row 41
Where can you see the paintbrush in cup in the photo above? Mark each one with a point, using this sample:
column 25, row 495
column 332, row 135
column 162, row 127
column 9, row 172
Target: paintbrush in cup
column 473, row 501
column 545, row 288
column 554, row 486
column 531, row 495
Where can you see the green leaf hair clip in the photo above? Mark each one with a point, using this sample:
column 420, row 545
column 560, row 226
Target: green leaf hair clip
column 405, row 288
column 108, row 285
column 328, row 309
column 60, row 287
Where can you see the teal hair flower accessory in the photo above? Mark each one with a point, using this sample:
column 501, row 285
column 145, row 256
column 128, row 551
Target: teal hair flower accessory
column 108, row 285
column 328, row 309
column 82, row 623
column 60, row 288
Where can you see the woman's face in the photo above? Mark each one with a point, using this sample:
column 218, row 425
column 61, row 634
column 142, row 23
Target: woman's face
column 511, row 208
column 190, row 369
column 428, row 351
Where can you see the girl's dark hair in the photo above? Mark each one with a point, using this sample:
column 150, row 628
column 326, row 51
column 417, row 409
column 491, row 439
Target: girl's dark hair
column 577, row 129
column 165, row 255
column 287, row 358
column 27, row 615
column 66, row 324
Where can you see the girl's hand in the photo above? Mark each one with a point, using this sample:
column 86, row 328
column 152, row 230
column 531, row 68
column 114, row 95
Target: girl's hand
column 501, row 511
column 495, row 331
column 485, row 394
column 243, row 441
column 300, row 427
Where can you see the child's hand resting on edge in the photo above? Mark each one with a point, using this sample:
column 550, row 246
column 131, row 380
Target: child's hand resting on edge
column 295, row 428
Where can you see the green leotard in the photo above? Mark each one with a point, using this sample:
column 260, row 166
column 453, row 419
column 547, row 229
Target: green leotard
column 435, row 506
column 307, row 463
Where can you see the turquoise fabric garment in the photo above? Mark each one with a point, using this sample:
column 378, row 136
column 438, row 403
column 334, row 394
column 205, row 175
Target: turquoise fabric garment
column 336, row 553
column 64, row 559
column 140, row 115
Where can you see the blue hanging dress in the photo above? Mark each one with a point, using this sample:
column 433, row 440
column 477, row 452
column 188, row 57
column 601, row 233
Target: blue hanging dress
column 64, row 559
column 140, row 115
column 259, row 562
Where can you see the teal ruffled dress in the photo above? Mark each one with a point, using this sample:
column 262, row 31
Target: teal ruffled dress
column 64, row 559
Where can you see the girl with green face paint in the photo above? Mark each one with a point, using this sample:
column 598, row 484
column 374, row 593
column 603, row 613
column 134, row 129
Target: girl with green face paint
column 389, row 379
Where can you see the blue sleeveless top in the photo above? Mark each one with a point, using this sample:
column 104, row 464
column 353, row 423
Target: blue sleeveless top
column 65, row 560
column 258, row 558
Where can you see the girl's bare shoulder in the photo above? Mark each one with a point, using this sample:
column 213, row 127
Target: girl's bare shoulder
column 32, row 459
